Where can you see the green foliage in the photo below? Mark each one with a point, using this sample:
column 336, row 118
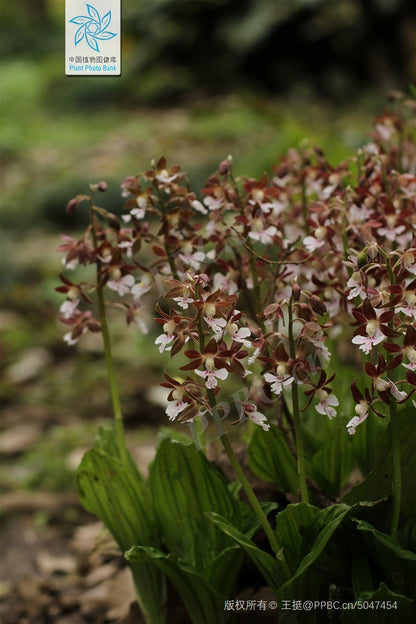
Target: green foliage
column 116, row 493
column 378, row 484
column 303, row 533
column 203, row 602
column 202, row 562
column 177, row 471
column 170, row 510
column 271, row 459
column 385, row 607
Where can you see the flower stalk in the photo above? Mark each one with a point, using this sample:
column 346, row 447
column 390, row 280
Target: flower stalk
column 397, row 469
column 296, row 416
column 113, row 387
column 239, row 472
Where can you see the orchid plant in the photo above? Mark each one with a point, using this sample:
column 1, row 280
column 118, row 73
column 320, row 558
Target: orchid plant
column 256, row 283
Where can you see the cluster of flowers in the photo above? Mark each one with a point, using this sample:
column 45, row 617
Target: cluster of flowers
column 256, row 274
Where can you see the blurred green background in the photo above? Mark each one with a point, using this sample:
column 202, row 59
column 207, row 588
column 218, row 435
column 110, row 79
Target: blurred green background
column 201, row 79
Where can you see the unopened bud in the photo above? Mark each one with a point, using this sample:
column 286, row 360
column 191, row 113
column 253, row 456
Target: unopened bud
column 102, row 186
column 94, row 326
column 362, row 259
column 113, row 221
column 224, row 167
column 317, row 305
column 372, row 252
column 71, row 207
column 296, row 291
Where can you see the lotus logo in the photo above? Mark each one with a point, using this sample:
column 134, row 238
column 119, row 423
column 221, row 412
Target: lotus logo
column 92, row 28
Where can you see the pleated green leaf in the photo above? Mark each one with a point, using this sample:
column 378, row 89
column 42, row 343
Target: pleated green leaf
column 203, row 602
column 332, row 465
column 272, row 569
column 270, row 458
column 395, row 565
column 114, row 492
column 378, row 484
column 185, row 486
column 304, row 532
column 383, row 606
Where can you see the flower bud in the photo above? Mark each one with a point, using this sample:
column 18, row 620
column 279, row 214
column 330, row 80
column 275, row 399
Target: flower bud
column 296, row 290
column 372, row 252
column 362, row 259
column 71, row 207
column 224, row 167
column 113, row 221
column 317, row 305
column 102, row 186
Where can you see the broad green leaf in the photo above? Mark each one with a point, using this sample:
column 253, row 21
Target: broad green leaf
column 106, row 441
column 395, row 565
column 112, row 491
column 299, row 537
column 273, row 570
column 203, row 603
column 270, row 458
column 332, row 465
column 185, row 486
column 362, row 575
column 294, row 534
column 378, row 484
column 384, row 606
column 303, row 532
column 222, row 571
column 366, row 442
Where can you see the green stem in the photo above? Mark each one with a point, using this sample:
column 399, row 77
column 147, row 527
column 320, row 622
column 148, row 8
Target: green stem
column 114, row 393
column 395, row 434
column 296, row 417
column 169, row 255
column 397, row 469
column 304, row 200
column 256, row 283
column 252, row 498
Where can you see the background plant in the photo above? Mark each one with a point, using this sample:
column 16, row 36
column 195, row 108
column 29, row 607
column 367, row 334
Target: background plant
column 259, row 278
